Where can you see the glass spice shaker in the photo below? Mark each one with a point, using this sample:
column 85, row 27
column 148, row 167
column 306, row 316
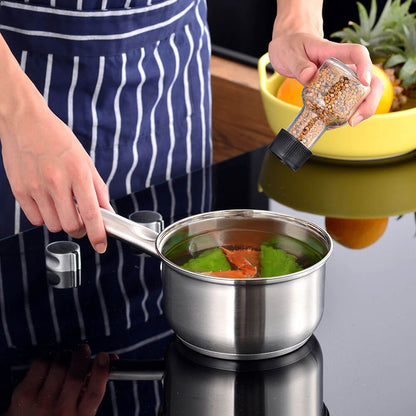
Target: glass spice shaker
column 329, row 100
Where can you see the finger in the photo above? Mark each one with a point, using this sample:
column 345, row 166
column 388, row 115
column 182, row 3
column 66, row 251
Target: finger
column 30, row 386
column 31, row 210
column 69, row 216
column 350, row 54
column 76, row 375
column 369, row 105
column 291, row 60
column 360, row 57
column 305, row 51
column 59, row 189
column 56, row 377
column 89, row 210
column 95, row 389
column 47, row 209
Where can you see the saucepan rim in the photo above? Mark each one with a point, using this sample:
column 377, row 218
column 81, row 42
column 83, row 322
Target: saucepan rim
column 249, row 213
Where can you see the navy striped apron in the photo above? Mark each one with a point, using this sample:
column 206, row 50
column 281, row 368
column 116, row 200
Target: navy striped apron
column 130, row 78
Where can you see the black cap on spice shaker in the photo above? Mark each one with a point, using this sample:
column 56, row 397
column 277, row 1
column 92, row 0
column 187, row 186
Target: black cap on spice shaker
column 329, row 100
column 289, row 150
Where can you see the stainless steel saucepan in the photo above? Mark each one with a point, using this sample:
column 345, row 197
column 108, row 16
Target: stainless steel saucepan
column 250, row 318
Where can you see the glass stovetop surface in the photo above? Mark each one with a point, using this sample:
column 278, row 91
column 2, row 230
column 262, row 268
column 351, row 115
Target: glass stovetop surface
column 360, row 361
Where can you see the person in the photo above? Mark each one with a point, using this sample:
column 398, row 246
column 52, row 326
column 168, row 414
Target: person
column 97, row 102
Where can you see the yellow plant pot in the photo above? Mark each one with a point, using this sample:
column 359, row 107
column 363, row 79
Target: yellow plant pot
column 381, row 136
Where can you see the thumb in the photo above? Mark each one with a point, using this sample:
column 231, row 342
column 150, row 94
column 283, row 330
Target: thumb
column 306, row 72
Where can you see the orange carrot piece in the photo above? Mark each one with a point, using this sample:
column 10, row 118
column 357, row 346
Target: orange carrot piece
column 246, row 260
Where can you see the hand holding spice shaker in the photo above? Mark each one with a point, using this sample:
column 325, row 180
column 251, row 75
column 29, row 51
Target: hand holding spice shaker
column 329, row 100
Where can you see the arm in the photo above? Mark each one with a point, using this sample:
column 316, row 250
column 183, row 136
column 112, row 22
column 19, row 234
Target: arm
column 46, row 165
column 298, row 49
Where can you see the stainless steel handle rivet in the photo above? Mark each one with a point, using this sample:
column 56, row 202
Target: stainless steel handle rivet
column 63, row 264
column 149, row 219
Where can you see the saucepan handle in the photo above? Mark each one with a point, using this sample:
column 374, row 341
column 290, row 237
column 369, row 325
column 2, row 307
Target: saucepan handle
column 130, row 232
column 128, row 370
column 136, row 370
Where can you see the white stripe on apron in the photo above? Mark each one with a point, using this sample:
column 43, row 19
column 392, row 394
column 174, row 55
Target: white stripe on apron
column 152, row 118
column 97, row 90
column 28, row 314
column 139, row 121
column 170, row 108
column 71, row 93
column 4, row 322
column 121, row 283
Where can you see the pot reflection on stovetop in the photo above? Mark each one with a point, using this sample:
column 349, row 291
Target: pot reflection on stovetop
column 290, row 385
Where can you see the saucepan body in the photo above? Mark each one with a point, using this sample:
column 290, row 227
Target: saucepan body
column 241, row 318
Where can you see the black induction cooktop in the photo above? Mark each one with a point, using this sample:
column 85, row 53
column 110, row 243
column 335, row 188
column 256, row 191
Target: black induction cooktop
column 360, row 361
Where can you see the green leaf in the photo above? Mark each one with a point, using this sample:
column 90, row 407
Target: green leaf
column 357, row 27
column 408, row 72
column 385, row 13
column 212, row 260
column 363, row 17
column 394, row 60
column 373, row 13
column 346, row 35
column 276, row 262
column 409, row 80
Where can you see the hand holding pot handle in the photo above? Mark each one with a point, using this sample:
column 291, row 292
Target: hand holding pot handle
column 130, row 232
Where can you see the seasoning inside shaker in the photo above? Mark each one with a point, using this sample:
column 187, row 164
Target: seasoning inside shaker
column 329, row 100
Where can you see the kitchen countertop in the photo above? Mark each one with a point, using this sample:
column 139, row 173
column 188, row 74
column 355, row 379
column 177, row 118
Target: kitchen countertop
column 360, row 360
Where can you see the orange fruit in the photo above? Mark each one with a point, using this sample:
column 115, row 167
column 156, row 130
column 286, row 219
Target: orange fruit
column 290, row 91
column 356, row 232
column 386, row 100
